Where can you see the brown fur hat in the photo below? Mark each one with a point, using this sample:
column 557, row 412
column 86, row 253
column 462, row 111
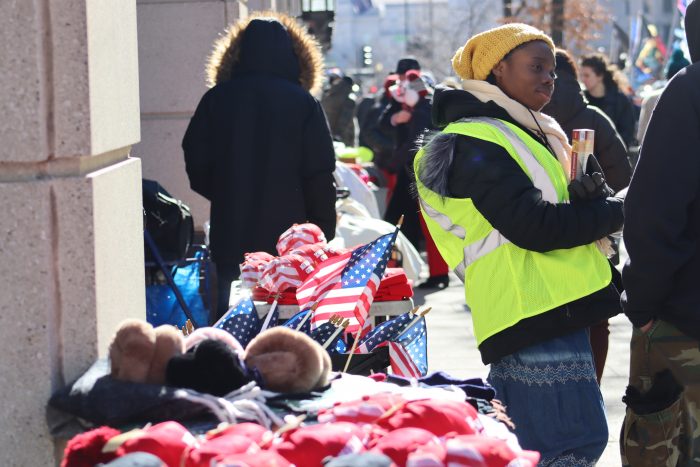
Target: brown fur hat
column 226, row 53
column 288, row 361
column 139, row 353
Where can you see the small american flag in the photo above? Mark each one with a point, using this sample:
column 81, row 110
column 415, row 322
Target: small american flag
column 294, row 321
column 241, row 321
column 386, row 331
column 345, row 285
column 324, row 332
column 408, row 352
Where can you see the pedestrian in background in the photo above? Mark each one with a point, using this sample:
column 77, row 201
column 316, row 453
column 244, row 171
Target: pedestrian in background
column 494, row 191
column 602, row 82
column 409, row 121
column 338, row 103
column 662, row 297
column 258, row 146
column 571, row 110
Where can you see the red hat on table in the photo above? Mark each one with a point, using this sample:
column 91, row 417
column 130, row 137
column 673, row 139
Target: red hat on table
column 437, row 416
column 309, row 445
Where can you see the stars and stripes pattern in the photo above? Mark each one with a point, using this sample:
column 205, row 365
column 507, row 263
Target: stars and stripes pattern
column 345, row 285
column 408, row 352
column 294, row 321
column 386, row 331
column 324, row 332
column 285, row 272
column 241, row 321
column 299, row 235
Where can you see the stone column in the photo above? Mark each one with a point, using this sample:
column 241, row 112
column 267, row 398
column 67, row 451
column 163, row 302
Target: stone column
column 71, row 245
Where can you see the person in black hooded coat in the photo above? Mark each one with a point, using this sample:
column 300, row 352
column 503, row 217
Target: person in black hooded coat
column 571, row 110
column 662, row 296
column 258, row 146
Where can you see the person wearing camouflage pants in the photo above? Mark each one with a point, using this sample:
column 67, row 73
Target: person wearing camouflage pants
column 661, row 277
column 662, row 422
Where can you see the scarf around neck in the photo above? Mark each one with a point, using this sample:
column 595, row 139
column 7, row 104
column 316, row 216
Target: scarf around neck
column 556, row 137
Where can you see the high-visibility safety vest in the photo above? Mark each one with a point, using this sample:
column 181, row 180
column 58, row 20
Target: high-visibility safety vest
column 504, row 283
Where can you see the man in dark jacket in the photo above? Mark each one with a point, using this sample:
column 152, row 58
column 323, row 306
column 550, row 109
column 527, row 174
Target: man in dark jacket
column 258, row 146
column 662, row 297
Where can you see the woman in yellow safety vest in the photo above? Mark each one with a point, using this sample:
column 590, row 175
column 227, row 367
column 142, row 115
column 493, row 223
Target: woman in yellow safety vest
column 495, row 193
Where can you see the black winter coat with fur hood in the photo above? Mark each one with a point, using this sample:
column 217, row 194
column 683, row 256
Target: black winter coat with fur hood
column 258, row 146
column 463, row 167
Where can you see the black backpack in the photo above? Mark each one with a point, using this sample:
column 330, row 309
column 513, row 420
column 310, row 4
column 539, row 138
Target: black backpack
column 168, row 221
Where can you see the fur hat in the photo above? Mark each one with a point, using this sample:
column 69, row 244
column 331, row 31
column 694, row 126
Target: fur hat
column 288, row 361
column 213, row 367
column 139, row 353
column 482, row 52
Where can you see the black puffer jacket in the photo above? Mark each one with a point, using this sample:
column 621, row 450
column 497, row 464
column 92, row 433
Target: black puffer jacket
column 662, row 231
column 506, row 197
column 571, row 110
column 258, row 146
column 621, row 111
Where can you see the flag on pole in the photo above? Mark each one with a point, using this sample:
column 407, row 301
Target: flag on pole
column 295, row 320
column 345, row 285
column 324, row 332
column 408, row 352
column 241, row 321
column 386, row 331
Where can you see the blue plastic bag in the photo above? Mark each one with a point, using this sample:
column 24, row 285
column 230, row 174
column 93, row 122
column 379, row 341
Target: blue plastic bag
column 162, row 306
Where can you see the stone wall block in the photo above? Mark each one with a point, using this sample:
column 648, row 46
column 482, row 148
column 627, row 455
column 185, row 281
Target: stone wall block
column 30, row 366
column 175, row 40
column 20, row 83
column 164, row 161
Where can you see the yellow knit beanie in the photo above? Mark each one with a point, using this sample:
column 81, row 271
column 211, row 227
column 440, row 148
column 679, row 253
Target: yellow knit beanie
column 482, row 52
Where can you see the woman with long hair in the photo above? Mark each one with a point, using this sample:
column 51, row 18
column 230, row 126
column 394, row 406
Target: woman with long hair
column 603, row 82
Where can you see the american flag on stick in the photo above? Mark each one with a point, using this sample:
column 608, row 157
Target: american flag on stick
column 345, row 285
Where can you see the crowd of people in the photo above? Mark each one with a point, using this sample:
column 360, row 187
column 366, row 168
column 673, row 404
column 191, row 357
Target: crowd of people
column 480, row 168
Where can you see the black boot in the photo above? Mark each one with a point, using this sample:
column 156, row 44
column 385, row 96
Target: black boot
column 435, row 282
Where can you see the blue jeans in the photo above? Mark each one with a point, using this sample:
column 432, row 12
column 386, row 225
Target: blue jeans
column 551, row 393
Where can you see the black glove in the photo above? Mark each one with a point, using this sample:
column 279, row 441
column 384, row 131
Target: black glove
column 591, row 185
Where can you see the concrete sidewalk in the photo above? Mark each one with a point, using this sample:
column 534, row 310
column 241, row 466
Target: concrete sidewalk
column 452, row 348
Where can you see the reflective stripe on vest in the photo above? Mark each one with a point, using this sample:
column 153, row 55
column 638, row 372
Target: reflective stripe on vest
column 493, row 240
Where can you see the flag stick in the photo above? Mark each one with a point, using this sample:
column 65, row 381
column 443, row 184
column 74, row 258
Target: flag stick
column 335, row 334
column 400, row 222
column 308, row 315
column 357, row 337
column 268, row 318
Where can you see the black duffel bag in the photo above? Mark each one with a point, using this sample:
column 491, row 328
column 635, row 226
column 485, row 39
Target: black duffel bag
column 168, row 221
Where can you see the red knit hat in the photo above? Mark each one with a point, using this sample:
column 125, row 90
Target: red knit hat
column 400, row 443
column 253, row 431
column 309, row 445
column 366, row 410
column 298, row 235
column 167, row 441
column 85, row 449
column 257, row 459
column 481, row 451
column 437, row 416
column 202, row 456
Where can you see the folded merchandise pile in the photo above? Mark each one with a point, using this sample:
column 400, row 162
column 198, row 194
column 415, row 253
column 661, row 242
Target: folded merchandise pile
column 302, row 249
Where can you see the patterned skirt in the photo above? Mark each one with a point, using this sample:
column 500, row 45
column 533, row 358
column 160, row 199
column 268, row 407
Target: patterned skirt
column 551, row 394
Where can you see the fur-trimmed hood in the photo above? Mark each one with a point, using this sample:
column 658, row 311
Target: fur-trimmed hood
column 269, row 42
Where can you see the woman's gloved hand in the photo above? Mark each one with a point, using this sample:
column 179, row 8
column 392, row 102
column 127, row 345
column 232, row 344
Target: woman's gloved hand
column 591, row 185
